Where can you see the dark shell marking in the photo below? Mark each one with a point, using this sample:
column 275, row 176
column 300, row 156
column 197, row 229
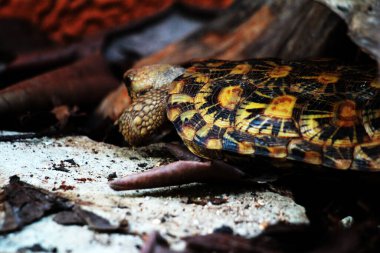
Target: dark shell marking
column 318, row 112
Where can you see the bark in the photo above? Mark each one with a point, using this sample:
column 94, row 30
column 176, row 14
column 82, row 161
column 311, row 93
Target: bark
column 363, row 21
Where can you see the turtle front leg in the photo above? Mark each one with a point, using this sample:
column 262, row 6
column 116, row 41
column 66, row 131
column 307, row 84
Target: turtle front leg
column 145, row 118
column 180, row 172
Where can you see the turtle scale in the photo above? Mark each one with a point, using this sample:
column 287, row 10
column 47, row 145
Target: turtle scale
column 319, row 112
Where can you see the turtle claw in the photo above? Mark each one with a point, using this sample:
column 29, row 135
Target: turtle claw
column 177, row 173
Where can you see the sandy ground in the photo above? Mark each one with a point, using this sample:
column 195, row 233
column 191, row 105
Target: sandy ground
column 77, row 168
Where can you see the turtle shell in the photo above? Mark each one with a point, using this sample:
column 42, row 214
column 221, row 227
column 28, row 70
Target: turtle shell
column 319, row 112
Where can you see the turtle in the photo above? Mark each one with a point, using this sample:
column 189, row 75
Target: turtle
column 324, row 113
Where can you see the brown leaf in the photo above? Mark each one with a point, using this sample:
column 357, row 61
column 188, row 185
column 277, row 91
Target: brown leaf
column 24, row 204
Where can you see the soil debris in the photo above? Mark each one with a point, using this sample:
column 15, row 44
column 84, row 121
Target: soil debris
column 36, row 248
column 205, row 200
column 64, row 165
column 279, row 238
column 64, row 187
column 79, row 216
column 24, row 204
column 112, row 176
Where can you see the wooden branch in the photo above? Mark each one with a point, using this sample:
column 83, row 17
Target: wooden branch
column 219, row 35
column 83, row 82
column 363, row 20
column 289, row 29
column 302, row 30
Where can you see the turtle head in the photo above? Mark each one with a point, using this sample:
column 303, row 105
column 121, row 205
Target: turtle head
column 141, row 80
column 144, row 120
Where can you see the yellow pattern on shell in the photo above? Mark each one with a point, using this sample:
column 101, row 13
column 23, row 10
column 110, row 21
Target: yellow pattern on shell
column 176, row 87
column 360, row 155
column 187, row 115
column 280, row 71
column 173, row 113
column 214, row 144
column 188, row 133
column 203, row 131
column 347, row 116
column 372, row 132
column 375, row 83
column 328, row 78
column 325, row 78
column 245, row 147
column 201, row 78
column 281, row 107
column 200, row 100
column 243, row 113
column 215, row 64
column 241, row 69
column 180, row 98
column 229, row 97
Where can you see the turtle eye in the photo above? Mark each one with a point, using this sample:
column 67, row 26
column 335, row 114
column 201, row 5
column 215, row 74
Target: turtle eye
column 127, row 81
